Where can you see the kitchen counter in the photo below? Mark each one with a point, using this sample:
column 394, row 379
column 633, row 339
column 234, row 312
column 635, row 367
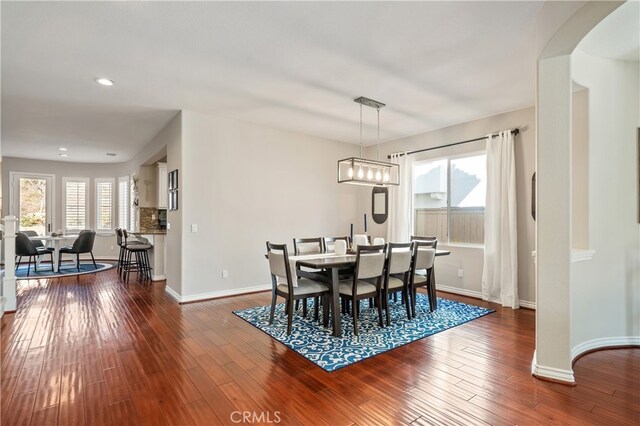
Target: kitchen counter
column 149, row 232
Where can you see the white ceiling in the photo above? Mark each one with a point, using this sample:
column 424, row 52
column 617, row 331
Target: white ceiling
column 294, row 66
column 617, row 36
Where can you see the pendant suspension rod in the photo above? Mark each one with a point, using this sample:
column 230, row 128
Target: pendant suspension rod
column 378, row 133
column 513, row 132
column 360, row 130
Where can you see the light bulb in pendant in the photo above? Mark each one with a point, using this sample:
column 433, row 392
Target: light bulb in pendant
column 369, row 174
column 360, row 173
column 386, row 176
column 350, row 172
column 378, row 175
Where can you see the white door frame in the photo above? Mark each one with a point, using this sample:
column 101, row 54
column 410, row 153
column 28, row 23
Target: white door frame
column 13, row 176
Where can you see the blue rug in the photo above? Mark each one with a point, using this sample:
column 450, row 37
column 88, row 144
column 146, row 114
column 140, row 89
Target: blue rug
column 44, row 271
column 311, row 340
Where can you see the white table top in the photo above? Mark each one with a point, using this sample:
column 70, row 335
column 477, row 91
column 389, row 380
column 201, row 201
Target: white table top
column 50, row 238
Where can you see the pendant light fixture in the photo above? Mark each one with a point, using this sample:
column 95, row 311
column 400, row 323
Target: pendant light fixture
column 360, row 171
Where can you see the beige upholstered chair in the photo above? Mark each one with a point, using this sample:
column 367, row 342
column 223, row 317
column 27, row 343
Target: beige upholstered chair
column 280, row 268
column 367, row 280
column 398, row 275
column 423, row 259
column 304, row 246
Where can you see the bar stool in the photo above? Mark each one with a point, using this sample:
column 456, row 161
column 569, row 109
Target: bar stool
column 140, row 264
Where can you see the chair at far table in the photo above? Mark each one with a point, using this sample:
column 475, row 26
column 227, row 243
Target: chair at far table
column 281, row 269
column 303, row 246
column 330, row 243
column 26, row 247
column 423, row 258
column 367, row 280
column 432, row 240
column 83, row 244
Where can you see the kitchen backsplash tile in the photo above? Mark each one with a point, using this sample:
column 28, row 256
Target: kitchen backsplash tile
column 147, row 221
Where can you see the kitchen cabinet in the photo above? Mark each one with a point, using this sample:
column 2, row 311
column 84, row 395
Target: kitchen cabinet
column 162, row 185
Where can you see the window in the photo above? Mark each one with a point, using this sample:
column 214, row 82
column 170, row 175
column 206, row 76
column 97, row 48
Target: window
column 449, row 198
column 76, row 203
column 104, row 204
column 123, row 202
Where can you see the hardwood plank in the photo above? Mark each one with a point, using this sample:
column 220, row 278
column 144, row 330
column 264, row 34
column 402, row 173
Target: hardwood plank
column 96, row 406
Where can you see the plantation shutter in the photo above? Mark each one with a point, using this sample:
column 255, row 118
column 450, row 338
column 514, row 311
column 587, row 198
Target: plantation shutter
column 123, row 202
column 75, row 205
column 104, row 205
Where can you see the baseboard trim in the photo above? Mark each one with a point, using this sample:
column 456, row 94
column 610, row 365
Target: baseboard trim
column 158, row 277
column 552, row 374
column 172, row 293
column 603, row 343
column 477, row 295
column 201, row 297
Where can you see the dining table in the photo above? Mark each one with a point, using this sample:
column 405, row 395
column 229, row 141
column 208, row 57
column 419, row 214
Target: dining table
column 56, row 242
column 329, row 267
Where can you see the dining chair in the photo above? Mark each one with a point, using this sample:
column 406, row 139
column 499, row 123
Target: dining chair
column 398, row 275
column 83, row 244
column 26, row 247
column 423, row 260
column 281, row 271
column 367, row 280
column 432, row 240
column 330, row 243
column 308, row 245
column 303, row 246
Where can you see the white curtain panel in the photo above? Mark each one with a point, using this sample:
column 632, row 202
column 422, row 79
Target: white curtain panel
column 401, row 202
column 500, row 273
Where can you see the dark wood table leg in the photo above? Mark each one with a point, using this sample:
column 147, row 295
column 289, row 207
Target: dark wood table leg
column 335, row 306
column 433, row 300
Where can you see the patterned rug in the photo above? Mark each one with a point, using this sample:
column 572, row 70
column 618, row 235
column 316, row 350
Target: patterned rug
column 311, row 340
column 44, row 271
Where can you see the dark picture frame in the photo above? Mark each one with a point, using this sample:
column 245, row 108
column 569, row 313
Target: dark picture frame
column 173, row 190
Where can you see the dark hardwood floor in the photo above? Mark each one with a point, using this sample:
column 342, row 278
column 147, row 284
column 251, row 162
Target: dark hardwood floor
column 91, row 350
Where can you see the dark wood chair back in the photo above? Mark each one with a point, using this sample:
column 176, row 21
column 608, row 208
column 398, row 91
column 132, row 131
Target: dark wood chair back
column 399, row 256
column 329, row 243
column 370, row 262
column 279, row 264
column 433, row 241
column 308, row 245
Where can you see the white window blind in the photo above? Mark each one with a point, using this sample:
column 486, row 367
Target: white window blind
column 123, row 202
column 104, row 204
column 75, row 204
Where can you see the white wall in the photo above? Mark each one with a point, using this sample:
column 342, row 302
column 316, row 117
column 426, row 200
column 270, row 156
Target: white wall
column 169, row 142
column 470, row 259
column 244, row 184
column 605, row 291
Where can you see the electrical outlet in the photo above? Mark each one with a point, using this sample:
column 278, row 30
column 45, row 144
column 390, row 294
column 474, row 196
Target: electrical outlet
column 111, row 248
column 460, row 273
column 194, row 227
column 225, row 274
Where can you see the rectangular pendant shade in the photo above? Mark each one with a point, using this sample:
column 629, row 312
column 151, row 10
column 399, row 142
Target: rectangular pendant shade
column 360, row 171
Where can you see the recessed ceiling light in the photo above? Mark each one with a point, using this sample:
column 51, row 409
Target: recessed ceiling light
column 105, row 81
column 111, row 154
column 62, row 149
column 63, row 155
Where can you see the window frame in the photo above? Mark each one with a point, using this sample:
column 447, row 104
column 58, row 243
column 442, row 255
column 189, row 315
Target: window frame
column 96, row 182
column 449, row 158
column 86, row 182
column 127, row 205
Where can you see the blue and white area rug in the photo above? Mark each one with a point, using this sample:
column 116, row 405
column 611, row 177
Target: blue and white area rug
column 311, row 340
column 67, row 269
